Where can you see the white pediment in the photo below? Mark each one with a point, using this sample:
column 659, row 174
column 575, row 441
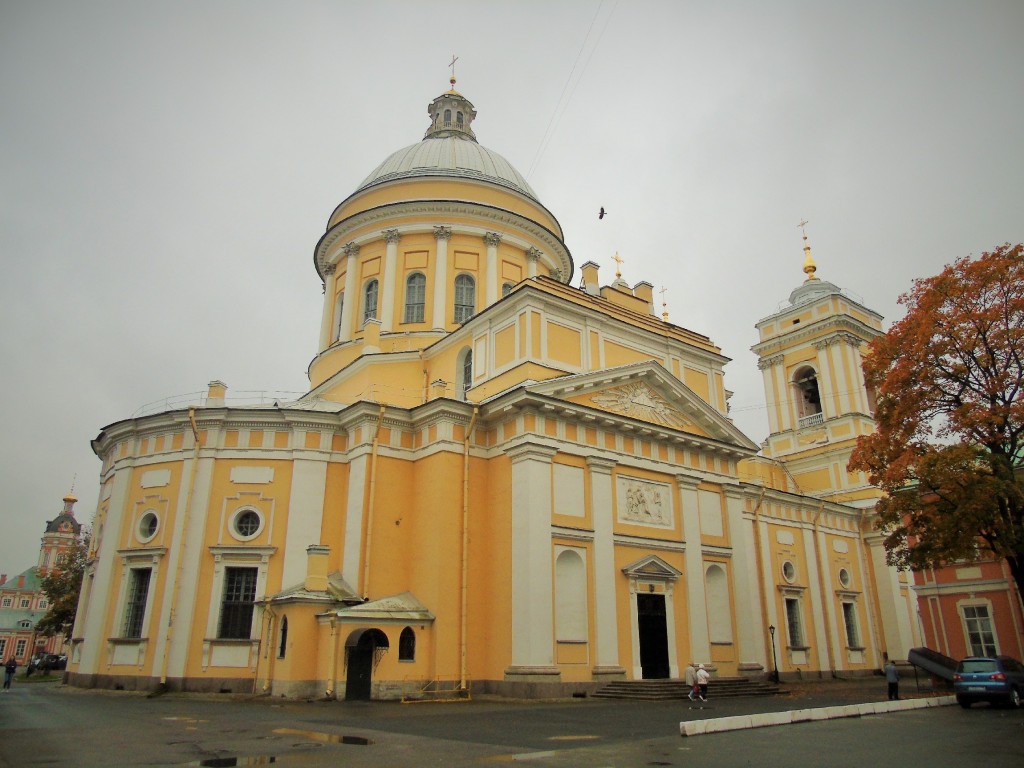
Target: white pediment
column 646, row 392
column 652, row 567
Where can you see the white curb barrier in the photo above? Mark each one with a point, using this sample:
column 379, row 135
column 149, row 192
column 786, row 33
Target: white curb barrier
column 767, row 719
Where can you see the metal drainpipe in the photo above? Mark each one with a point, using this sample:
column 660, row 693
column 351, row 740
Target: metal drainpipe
column 181, row 552
column 465, row 548
column 370, row 504
column 268, row 613
column 821, row 590
column 332, row 683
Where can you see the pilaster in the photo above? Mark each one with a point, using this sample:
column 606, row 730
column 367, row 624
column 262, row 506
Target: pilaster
column 441, row 235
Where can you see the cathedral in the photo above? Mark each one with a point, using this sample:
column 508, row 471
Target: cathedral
column 508, row 476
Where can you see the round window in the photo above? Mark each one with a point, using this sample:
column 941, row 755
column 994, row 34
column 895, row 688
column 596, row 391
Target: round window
column 149, row 523
column 247, row 523
column 844, row 578
column 789, row 571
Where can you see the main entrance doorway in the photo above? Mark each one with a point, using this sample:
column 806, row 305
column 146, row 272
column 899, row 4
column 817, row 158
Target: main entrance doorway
column 650, row 612
column 361, row 651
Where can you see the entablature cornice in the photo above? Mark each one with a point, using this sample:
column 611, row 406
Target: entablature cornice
column 554, row 253
column 843, row 328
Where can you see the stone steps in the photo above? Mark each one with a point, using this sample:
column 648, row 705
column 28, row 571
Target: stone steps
column 656, row 690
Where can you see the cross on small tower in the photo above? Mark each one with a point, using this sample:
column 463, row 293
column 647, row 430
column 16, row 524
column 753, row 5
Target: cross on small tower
column 452, row 65
column 664, row 306
column 803, row 227
column 618, row 264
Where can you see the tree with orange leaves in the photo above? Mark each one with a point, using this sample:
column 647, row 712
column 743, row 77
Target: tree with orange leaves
column 949, row 445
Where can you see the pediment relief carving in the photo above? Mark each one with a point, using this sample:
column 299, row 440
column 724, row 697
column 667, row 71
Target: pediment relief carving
column 638, row 400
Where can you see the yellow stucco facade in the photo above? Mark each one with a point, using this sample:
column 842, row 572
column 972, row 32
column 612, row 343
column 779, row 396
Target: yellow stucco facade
column 497, row 481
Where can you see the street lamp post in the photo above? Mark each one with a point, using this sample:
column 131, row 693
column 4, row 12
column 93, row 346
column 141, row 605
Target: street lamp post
column 775, row 663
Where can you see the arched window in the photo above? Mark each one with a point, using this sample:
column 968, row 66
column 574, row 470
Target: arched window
column 465, row 377
column 339, row 306
column 458, row 119
column 407, row 645
column 717, row 590
column 415, row 297
column 283, row 641
column 447, row 117
column 465, row 298
column 808, row 397
column 370, row 301
column 506, row 289
column 570, row 598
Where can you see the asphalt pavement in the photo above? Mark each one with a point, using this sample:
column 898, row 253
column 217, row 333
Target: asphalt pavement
column 50, row 725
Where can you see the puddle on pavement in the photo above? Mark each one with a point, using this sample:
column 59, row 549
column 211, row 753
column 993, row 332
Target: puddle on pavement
column 327, row 738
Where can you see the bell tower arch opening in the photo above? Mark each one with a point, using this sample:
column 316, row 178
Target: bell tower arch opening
column 808, row 396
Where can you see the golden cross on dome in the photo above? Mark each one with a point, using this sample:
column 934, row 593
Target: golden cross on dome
column 809, row 266
column 618, row 264
column 664, row 306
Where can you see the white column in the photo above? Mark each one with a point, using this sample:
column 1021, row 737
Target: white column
column 442, row 235
column 195, row 550
column 749, row 631
column 532, row 581
column 605, row 573
column 94, row 631
column 352, row 560
column 830, row 405
column 491, row 273
column 817, row 603
column 351, row 304
column 696, row 599
column 388, row 286
column 305, row 514
column 532, row 255
column 769, row 367
column 326, row 323
column 893, row 608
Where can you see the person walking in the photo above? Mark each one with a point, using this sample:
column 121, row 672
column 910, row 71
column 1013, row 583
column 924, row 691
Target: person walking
column 703, row 676
column 691, row 681
column 892, row 677
column 9, row 668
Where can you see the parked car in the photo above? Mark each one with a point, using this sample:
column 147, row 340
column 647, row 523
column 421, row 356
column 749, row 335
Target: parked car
column 45, row 662
column 995, row 679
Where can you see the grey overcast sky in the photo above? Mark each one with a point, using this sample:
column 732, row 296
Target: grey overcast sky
column 167, row 168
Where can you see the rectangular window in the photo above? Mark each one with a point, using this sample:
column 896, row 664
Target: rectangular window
column 237, row 604
column 26, row 602
column 850, row 618
column 135, row 608
column 796, row 636
column 6, row 602
column 980, row 638
column 43, row 603
column 3, row 648
column 19, row 649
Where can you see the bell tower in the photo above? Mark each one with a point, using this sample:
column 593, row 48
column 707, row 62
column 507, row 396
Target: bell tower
column 810, row 354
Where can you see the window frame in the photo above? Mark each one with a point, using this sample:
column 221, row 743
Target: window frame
column 464, row 310
column 136, row 604
column 407, row 645
column 982, row 647
column 372, row 286
column 419, row 309
column 794, row 623
column 237, row 602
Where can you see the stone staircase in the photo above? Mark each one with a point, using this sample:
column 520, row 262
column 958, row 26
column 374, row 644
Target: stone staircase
column 658, row 690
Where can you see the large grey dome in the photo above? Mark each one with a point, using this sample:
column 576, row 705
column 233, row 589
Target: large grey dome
column 451, row 156
column 449, row 148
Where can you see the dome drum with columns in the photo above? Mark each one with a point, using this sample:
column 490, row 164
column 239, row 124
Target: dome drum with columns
column 496, row 479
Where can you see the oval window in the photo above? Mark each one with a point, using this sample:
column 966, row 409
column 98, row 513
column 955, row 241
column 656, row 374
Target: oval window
column 246, row 524
column 789, row 571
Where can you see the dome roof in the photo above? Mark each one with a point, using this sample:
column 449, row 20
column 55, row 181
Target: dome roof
column 449, row 148
column 449, row 156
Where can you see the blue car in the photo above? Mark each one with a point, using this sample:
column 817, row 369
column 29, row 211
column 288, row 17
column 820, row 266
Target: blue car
column 995, row 679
